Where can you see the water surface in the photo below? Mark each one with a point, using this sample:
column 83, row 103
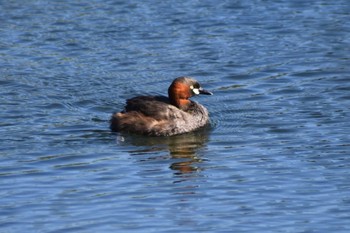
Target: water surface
column 276, row 158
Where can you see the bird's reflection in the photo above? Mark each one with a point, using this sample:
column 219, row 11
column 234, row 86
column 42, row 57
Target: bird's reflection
column 182, row 148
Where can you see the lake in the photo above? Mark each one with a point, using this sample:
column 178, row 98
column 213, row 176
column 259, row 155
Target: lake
column 275, row 159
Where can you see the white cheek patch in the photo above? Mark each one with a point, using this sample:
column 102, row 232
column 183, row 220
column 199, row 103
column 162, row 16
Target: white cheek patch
column 195, row 91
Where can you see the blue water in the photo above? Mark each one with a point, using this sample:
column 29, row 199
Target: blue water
column 276, row 159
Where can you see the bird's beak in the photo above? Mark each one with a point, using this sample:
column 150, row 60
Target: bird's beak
column 204, row 92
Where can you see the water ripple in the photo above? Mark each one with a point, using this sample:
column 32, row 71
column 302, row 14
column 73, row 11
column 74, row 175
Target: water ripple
column 274, row 159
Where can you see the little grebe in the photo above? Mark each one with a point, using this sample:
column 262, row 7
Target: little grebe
column 162, row 116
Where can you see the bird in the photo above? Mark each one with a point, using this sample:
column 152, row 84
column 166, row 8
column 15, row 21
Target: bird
column 161, row 115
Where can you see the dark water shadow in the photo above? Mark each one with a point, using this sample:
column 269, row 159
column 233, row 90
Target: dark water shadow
column 183, row 149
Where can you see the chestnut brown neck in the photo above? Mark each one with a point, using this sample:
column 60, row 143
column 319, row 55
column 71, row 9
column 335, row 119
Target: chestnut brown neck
column 179, row 95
